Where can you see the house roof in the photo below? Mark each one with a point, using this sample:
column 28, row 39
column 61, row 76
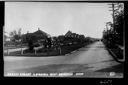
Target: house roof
column 39, row 32
column 68, row 33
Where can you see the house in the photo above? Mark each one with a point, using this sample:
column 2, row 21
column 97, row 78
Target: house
column 37, row 36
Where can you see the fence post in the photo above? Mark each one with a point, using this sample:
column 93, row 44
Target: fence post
column 60, row 50
column 35, row 51
column 21, row 51
column 8, row 51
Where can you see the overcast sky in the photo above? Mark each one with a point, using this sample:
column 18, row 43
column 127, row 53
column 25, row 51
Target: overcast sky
column 58, row 17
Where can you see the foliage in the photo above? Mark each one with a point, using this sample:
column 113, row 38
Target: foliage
column 30, row 45
column 114, row 35
column 16, row 35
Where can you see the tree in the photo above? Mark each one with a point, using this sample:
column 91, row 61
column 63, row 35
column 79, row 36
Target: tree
column 114, row 35
column 30, row 45
column 16, row 36
column 119, row 24
column 49, row 43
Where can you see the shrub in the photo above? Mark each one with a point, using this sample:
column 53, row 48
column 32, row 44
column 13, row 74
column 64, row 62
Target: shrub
column 30, row 45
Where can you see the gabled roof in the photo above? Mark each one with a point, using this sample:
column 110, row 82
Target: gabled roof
column 40, row 32
column 68, row 33
column 37, row 35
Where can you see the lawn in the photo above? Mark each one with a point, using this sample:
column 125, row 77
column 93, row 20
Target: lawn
column 65, row 49
column 118, row 53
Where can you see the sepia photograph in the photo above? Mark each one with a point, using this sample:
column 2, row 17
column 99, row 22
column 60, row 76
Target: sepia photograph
column 64, row 39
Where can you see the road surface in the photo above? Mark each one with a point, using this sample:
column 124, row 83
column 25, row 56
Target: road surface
column 91, row 58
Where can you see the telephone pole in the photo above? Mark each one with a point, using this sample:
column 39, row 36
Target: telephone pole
column 113, row 9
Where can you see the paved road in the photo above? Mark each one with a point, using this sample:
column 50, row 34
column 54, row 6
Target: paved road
column 93, row 57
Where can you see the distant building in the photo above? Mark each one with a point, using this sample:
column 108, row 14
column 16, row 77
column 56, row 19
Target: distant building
column 74, row 35
column 68, row 34
column 36, row 36
column 8, row 39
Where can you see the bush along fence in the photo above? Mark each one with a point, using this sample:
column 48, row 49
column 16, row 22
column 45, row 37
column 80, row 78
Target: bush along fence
column 52, row 49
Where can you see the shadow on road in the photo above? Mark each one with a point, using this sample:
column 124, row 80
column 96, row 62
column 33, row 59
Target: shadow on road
column 118, row 68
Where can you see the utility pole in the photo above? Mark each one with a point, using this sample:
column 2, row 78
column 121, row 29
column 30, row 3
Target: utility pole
column 113, row 6
column 113, row 9
column 113, row 16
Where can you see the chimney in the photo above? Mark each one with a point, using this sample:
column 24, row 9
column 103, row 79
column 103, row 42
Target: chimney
column 38, row 28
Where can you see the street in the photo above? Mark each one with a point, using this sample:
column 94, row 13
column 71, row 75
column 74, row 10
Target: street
column 91, row 58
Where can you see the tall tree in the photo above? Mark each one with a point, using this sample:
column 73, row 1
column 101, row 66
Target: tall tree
column 16, row 35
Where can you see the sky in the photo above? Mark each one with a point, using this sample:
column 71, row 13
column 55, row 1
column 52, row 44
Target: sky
column 56, row 18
